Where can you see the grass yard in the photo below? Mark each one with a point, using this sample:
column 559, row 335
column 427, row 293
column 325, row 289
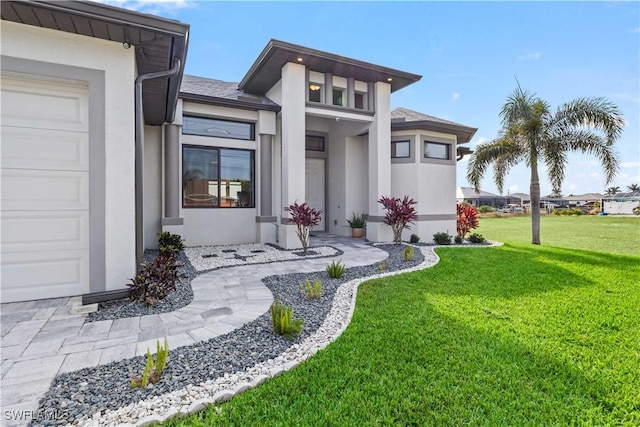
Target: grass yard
column 519, row 335
column 619, row 235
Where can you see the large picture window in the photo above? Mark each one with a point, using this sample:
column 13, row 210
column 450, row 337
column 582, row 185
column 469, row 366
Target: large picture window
column 204, row 126
column 217, row 178
column 437, row 150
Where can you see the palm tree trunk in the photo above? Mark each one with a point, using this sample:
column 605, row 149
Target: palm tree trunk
column 534, row 191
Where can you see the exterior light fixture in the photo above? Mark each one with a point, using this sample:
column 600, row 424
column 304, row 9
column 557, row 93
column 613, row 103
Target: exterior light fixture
column 299, row 59
column 314, row 87
column 389, row 79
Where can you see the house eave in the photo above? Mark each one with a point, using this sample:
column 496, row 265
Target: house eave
column 462, row 133
column 225, row 102
column 265, row 71
column 157, row 41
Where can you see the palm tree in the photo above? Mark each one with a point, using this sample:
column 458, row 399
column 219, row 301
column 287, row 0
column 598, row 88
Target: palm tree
column 532, row 133
column 612, row 190
column 633, row 187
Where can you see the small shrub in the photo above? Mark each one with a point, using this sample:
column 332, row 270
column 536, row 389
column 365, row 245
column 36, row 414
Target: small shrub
column 170, row 244
column 400, row 213
column 304, row 217
column 156, row 280
column 467, row 219
column 636, row 210
column 442, row 238
column 458, row 240
column 357, row 220
column 383, row 266
column 408, row 253
column 568, row 212
column 476, row 238
column 313, row 290
column 414, row 238
column 283, row 321
column 153, row 368
column 486, row 209
column 336, row 269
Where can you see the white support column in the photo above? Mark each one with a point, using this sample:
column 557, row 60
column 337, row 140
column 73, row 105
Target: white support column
column 267, row 226
column 379, row 163
column 293, row 147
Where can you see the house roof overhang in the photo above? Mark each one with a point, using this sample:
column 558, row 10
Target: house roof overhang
column 462, row 133
column 230, row 103
column 157, row 41
column 266, row 70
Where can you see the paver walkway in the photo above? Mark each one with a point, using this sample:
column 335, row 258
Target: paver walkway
column 41, row 339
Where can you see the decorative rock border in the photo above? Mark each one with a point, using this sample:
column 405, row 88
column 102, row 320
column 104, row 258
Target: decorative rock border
column 195, row 398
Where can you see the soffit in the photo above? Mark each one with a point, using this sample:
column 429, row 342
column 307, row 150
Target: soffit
column 157, row 41
column 266, row 70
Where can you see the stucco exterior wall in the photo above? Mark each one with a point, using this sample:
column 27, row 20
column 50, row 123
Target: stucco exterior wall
column 152, row 192
column 118, row 64
column 432, row 185
column 218, row 226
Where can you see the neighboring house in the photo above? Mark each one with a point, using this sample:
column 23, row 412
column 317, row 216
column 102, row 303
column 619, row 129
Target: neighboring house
column 213, row 161
column 621, row 203
column 480, row 198
column 519, row 199
column 583, row 200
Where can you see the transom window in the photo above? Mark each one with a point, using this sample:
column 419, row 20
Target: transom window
column 217, row 177
column 338, row 96
column 400, row 149
column 437, row 150
column 315, row 92
column 314, row 143
column 219, row 128
column 359, row 100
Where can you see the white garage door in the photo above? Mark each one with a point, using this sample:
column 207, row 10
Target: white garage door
column 45, row 188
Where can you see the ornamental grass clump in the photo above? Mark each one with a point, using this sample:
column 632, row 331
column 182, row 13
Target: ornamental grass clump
column 153, row 368
column 336, row 269
column 313, row 290
column 304, row 217
column 408, row 253
column 400, row 213
column 283, row 321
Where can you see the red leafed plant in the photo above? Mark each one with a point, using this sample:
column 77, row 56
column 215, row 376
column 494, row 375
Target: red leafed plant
column 467, row 219
column 304, row 217
column 400, row 213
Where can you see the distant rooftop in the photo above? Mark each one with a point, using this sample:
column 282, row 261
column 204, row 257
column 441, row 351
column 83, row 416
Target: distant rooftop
column 470, row 193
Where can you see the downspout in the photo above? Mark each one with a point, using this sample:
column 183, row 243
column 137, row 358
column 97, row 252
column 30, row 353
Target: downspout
column 139, row 154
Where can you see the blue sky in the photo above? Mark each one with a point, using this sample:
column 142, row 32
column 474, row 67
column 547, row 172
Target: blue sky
column 467, row 52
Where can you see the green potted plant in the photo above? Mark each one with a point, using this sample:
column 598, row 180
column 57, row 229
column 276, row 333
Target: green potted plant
column 357, row 223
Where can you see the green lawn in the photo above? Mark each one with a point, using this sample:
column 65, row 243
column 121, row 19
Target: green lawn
column 620, row 235
column 518, row 335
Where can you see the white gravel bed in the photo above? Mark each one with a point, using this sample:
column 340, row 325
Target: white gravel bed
column 195, row 398
column 204, row 258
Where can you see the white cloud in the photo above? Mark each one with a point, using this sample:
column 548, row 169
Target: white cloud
column 513, row 188
column 455, row 96
column 630, row 165
column 150, row 6
column 595, row 175
column 588, row 163
column 530, row 56
column 624, row 96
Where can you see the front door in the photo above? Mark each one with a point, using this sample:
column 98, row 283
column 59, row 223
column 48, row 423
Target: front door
column 314, row 187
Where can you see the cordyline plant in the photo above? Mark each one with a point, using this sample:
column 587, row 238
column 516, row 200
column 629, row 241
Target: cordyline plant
column 467, row 219
column 304, row 217
column 400, row 213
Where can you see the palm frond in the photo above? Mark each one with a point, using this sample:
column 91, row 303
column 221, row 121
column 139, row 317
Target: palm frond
column 587, row 142
column 555, row 159
column 595, row 113
column 488, row 153
column 511, row 157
